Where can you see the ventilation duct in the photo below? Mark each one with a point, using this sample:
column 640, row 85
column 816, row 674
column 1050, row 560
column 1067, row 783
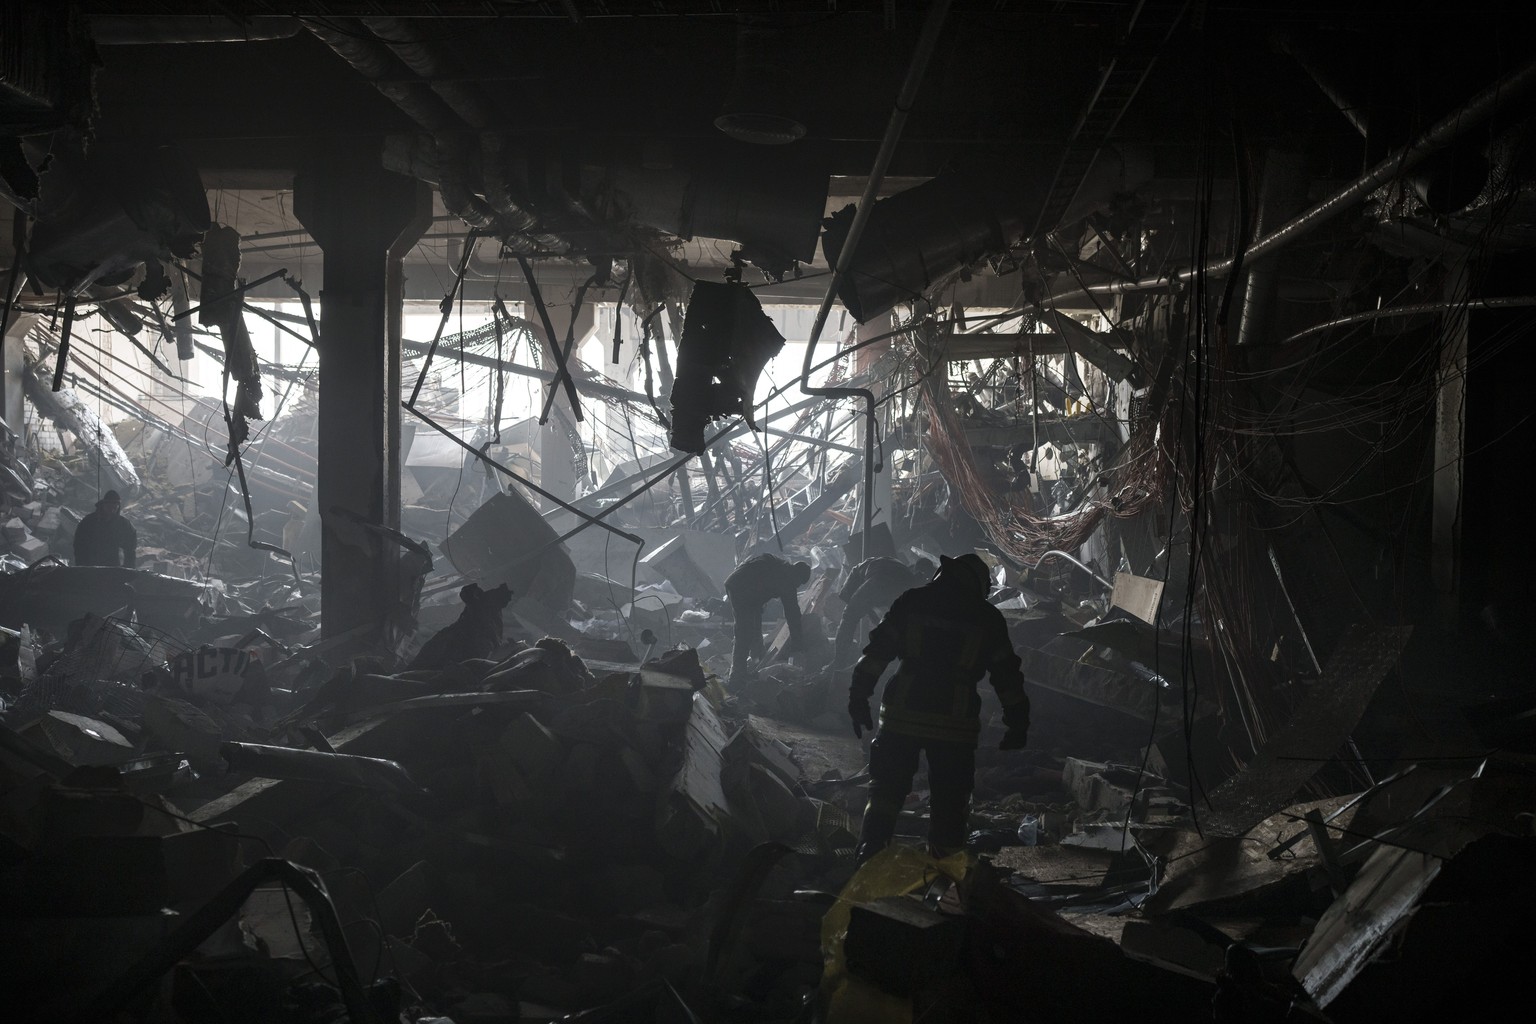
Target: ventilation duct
column 102, row 214
column 770, row 206
column 727, row 340
column 920, row 238
column 459, row 186
column 756, row 109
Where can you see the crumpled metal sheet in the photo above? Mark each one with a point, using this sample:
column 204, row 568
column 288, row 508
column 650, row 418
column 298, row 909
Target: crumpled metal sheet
column 273, row 762
column 1317, row 730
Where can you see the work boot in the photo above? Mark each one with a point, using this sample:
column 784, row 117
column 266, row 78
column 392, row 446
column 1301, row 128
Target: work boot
column 875, row 835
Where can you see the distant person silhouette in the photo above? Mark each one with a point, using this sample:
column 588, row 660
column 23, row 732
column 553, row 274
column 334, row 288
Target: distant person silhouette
column 104, row 537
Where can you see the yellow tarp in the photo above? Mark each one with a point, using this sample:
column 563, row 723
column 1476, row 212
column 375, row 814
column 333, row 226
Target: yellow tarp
column 894, row 871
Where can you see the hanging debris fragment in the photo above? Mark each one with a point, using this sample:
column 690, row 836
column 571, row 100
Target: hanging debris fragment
column 223, row 308
column 727, row 340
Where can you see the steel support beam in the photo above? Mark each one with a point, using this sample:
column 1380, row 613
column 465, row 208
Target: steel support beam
column 557, row 461
column 363, row 218
column 877, row 495
column 1450, row 446
column 1281, row 191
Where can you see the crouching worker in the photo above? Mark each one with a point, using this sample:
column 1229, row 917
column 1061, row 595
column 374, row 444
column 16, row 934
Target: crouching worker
column 873, row 586
column 750, row 586
column 947, row 637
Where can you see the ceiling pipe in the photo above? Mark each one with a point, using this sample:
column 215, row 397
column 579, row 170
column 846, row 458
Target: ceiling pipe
column 369, row 58
column 516, row 222
column 463, row 98
column 1418, row 309
column 457, row 187
column 450, row 111
column 124, row 30
column 497, row 212
column 1444, row 132
column 1282, row 190
column 933, row 24
column 497, row 176
column 1337, row 95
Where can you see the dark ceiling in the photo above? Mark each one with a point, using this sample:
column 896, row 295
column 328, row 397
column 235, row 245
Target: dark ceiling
column 605, row 78
column 253, row 91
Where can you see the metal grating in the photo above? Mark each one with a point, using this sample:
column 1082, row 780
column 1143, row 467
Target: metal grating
column 100, row 672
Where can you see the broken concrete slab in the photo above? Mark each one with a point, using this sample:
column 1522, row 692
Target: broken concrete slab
column 1088, row 784
column 751, row 744
column 694, row 806
column 1216, row 873
column 182, row 726
column 288, row 763
column 674, row 562
column 30, row 549
column 667, row 686
column 1175, row 947
column 81, row 740
column 505, row 540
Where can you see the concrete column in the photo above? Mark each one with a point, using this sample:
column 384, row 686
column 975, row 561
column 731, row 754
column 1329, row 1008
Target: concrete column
column 557, row 462
column 13, row 331
column 12, row 405
column 363, row 218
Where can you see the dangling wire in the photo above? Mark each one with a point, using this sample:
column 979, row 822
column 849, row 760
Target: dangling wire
column 645, row 356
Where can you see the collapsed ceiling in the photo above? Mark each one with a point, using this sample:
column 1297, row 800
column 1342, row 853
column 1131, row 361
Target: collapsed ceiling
column 1205, row 325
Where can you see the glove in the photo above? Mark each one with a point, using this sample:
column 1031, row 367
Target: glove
column 858, row 710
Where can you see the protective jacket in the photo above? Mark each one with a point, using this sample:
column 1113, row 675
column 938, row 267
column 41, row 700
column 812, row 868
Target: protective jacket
column 882, row 574
column 103, row 541
column 947, row 637
column 872, row 584
column 762, row 578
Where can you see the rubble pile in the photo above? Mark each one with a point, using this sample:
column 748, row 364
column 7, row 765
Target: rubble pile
column 539, row 785
column 540, row 832
column 502, row 832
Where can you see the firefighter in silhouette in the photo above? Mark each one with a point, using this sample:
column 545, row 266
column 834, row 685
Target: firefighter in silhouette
column 947, row 637
column 750, row 586
column 873, row 586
